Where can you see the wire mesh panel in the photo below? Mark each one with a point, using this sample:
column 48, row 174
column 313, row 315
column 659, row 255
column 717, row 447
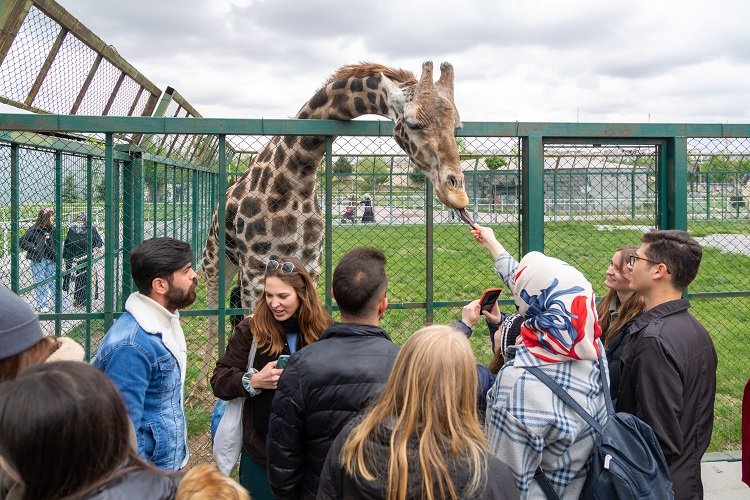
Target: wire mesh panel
column 596, row 197
column 56, row 65
column 718, row 217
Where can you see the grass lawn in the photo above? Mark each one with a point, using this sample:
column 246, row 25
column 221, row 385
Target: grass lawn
column 462, row 269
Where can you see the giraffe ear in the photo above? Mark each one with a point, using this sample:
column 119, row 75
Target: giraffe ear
column 396, row 98
column 445, row 87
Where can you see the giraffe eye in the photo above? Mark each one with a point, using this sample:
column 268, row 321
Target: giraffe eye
column 413, row 124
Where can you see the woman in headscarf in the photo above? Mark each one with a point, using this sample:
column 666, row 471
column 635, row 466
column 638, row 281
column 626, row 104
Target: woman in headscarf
column 528, row 426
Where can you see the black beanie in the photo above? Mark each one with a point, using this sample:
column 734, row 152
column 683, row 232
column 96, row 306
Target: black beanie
column 19, row 325
column 510, row 329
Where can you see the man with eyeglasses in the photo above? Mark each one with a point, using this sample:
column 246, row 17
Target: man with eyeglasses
column 668, row 376
column 331, row 380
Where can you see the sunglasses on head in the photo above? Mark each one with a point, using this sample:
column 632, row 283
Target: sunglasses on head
column 274, row 265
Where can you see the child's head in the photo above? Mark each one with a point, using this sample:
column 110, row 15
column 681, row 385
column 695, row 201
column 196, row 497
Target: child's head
column 205, row 482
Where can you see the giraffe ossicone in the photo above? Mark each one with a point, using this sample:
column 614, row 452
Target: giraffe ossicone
column 271, row 210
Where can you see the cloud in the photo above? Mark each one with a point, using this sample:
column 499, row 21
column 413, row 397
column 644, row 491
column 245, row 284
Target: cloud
column 515, row 60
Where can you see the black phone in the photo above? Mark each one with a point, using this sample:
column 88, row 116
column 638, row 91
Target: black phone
column 282, row 361
column 489, row 297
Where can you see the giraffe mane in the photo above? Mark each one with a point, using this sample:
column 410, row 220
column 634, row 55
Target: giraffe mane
column 365, row 69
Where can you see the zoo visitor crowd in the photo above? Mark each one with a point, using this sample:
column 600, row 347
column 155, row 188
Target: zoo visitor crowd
column 337, row 410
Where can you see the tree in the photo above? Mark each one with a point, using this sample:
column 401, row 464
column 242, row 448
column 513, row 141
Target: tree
column 725, row 168
column 372, row 173
column 69, row 191
column 495, row 162
column 342, row 165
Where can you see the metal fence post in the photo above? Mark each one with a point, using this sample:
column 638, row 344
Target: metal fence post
column 15, row 215
column 111, row 228
column 222, row 227
column 328, row 260
column 676, row 188
column 532, row 189
column 430, row 248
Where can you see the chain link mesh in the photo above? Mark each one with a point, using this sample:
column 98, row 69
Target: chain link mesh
column 596, row 198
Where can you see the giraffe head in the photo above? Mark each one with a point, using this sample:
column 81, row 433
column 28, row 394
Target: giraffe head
column 426, row 119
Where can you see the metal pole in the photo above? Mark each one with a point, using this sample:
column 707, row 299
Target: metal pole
column 111, row 228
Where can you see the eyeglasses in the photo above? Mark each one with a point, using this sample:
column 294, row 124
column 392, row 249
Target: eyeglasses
column 633, row 258
column 274, row 265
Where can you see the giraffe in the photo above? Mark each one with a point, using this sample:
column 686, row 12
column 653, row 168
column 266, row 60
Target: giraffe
column 271, row 210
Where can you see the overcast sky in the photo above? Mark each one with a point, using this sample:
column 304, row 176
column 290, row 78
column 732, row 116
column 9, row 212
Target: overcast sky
column 542, row 60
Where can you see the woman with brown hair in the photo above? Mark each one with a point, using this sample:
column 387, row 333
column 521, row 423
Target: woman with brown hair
column 39, row 243
column 66, row 434
column 288, row 317
column 617, row 310
column 422, row 438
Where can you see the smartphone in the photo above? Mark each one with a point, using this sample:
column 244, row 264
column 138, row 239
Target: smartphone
column 282, row 361
column 489, row 297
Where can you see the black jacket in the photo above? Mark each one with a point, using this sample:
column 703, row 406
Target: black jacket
column 321, row 389
column 226, row 383
column 39, row 243
column 335, row 483
column 615, row 349
column 76, row 242
column 668, row 380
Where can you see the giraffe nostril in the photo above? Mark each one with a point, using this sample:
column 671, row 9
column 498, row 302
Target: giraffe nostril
column 453, row 181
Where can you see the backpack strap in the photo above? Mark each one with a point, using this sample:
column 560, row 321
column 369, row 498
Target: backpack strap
column 546, row 486
column 605, row 387
column 567, row 398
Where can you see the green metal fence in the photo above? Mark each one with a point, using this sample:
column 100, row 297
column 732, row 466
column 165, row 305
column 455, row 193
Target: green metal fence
column 576, row 191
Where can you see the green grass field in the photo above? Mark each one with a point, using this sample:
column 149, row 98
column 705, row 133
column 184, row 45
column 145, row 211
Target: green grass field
column 462, row 269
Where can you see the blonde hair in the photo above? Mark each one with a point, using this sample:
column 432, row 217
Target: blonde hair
column 627, row 310
column 205, row 482
column 430, row 395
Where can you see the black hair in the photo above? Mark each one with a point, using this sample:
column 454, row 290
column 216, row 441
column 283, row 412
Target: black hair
column 359, row 281
column 678, row 251
column 158, row 258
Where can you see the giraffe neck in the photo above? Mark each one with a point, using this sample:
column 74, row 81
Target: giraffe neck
column 342, row 99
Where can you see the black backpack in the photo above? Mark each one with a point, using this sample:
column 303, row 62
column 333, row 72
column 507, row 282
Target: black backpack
column 626, row 461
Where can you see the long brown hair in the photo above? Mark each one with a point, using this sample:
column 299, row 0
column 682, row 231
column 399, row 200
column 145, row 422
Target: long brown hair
column 65, row 430
column 311, row 316
column 10, row 367
column 430, row 395
column 627, row 310
column 44, row 218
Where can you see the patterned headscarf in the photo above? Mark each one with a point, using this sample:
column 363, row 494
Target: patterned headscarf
column 558, row 305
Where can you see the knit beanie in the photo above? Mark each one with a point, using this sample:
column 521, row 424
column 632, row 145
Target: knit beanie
column 510, row 329
column 19, row 325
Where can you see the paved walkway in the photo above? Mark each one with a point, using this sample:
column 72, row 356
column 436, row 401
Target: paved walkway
column 723, row 481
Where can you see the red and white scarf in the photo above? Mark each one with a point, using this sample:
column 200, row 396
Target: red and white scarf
column 557, row 302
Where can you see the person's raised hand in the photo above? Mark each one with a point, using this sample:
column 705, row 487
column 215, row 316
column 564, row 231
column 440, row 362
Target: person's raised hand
column 470, row 313
column 486, row 237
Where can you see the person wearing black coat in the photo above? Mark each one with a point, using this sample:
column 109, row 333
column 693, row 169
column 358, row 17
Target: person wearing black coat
column 327, row 383
column 39, row 243
column 75, row 251
column 668, row 368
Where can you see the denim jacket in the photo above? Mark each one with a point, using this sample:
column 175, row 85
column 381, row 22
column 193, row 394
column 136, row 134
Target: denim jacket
column 144, row 355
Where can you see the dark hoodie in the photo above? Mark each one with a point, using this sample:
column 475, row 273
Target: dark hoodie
column 335, row 483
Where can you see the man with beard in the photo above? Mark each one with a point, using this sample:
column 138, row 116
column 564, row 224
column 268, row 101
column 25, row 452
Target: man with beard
column 145, row 355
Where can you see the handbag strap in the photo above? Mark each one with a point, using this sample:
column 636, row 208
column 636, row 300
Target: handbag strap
column 251, row 356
